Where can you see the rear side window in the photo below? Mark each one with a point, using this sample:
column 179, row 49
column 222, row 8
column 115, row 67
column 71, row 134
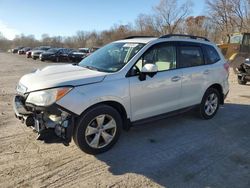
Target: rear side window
column 190, row 56
column 212, row 55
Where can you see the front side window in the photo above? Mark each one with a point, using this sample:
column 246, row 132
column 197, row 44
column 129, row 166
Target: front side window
column 163, row 55
column 190, row 56
column 111, row 57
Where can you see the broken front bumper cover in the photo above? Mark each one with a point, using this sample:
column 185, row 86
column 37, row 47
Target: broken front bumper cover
column 45, row 118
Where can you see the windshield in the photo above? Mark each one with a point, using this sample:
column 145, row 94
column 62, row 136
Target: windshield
column 111, row 57
column 236, row 39
column 84, row 51
column 44, row 48
column 53, row 50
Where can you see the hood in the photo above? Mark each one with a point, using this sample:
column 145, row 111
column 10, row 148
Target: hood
column 60, row 75
column 48, row 53
column 38, row 51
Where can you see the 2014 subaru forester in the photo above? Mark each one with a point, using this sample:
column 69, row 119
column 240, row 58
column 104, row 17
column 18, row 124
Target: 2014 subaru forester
column 125, row 82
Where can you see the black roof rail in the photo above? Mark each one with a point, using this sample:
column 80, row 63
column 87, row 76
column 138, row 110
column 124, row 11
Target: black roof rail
column 182, row 35
column 139, row 36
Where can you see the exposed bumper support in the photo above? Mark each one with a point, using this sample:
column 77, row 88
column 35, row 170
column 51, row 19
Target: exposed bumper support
column 44, row 118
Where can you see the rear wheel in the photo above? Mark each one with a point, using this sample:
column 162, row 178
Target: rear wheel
column 210, row 103
column 98, row 129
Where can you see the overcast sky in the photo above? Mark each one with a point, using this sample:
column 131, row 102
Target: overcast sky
column 66, row 17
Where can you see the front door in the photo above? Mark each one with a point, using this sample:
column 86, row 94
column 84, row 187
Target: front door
column 158, row 94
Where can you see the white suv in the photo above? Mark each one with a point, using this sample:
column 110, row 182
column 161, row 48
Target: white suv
column 124, row 83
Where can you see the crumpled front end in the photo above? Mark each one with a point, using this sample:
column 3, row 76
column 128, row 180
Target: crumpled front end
column 44, row 119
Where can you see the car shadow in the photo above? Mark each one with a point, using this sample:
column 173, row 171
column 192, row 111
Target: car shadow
column 49, row 137
column 185, row 151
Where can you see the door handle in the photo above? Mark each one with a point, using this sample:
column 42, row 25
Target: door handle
column 206, row 71
column 175, row 78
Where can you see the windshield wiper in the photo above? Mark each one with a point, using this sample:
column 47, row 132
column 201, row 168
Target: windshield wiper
column 92, row 68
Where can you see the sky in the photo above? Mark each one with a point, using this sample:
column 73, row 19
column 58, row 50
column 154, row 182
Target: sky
column 66, row 17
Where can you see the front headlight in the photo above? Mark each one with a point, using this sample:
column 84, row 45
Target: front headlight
column 47, row 97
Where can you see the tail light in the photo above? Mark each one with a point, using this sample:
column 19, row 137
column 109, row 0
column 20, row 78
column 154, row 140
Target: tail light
column 226, row 66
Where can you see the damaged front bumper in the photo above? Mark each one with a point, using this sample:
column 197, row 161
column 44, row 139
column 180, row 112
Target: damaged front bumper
column 42, row 119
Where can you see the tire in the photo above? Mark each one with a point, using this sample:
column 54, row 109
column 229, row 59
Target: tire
column 242, row 82
column 91, row 136
column 209, row 104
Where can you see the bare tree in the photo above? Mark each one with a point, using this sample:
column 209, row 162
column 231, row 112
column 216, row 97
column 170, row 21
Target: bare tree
column 229, row 15
column 170, row 13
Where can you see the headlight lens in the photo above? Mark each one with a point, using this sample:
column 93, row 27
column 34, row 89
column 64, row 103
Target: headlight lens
column 47, row 97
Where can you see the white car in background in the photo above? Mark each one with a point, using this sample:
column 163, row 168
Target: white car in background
column 36, row 53
column 126, row 82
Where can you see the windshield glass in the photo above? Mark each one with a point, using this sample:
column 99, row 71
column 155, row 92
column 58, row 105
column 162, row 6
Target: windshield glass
column 236, row 39
column 53, row 50
column 84, row 51
column 111, row 57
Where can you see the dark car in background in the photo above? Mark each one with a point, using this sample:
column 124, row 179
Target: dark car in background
column 15, row 50
column 77, row 56
column 23, row 50
column 36, row 53
column 56, row 54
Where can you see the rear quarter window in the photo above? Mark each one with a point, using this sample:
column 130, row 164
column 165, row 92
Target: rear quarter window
column 212, row 54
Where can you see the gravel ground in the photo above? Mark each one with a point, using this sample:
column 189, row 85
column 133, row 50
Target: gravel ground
column 181, row 151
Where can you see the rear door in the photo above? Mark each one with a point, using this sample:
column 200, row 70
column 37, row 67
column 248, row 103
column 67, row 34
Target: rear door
column 195, row 73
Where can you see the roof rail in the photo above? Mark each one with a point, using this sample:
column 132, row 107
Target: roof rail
column 138, row 36
column 187, row 36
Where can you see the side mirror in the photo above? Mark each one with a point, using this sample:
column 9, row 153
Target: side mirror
column 148, row 69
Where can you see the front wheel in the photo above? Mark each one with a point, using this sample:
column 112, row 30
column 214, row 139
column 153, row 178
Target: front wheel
column 98, row 129
column 210, row 103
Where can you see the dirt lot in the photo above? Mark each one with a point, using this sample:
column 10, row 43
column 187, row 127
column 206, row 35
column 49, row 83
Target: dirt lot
column 182, row 151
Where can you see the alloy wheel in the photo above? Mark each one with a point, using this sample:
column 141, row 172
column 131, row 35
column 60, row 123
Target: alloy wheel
column 211, row 104
column 100, row 131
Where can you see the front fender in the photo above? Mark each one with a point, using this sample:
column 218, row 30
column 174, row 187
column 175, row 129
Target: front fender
column 83, row 97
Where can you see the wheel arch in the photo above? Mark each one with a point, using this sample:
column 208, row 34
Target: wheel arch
column 219, row 88
column 117, row 106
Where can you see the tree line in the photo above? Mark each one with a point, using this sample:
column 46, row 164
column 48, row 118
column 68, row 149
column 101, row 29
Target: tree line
column 221, row 17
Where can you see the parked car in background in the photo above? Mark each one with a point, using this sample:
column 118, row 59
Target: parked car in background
column 56, row 54
column 93, row 49
column 126, row 82
column 23, row 50
column 15, row 50
column 28, row 54
column 77, row 56
column 36, row 53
